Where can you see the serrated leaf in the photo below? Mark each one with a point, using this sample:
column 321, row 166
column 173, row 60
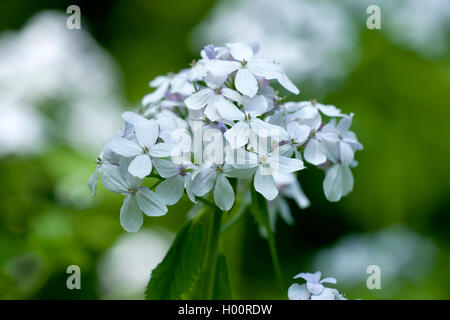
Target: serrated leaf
column 222, row 289
column 179, row 272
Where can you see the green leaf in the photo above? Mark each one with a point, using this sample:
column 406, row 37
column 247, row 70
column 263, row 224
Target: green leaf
column 177, row 275
column 222, row 289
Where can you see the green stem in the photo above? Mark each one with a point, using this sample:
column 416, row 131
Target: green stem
column 207, row 202
column 212, row 253
column 275, row 260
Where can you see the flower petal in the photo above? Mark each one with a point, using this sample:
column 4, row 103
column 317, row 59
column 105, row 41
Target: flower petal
column 265, row 185
column 256, row 106
column 298, row 292
column 131, row 218
column 92, row 183
column 124, row 147
column 165, row 168
column 204, row 181
column 171, row 189
column 328, row 280
column 338, row 182
column 314, row 288
column 147, row 132
column 223, row 193
column 113, row 180
column 150, row 202
column 156, row 95
column 287, row 84
column 228, row 110
column 241, row 173
column 163, row 149
column 199, row 99
column 231, row 94
column 298, row 132
column 294, row 191
column 237, row 135
column 314, row 152
column 241, row 51
column 285, row 165
column 326, row 294
column 265, row 68
column 329, row 110
column 221, row 67
column 140, row 166
column 346, row 153
column 246, row 83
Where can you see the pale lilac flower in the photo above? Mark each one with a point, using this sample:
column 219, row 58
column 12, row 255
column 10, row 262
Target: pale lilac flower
column 177, row 83
column 238, row 135
column 138, row 198
column 267, row 164
column 216, row 98
column 141, row 148
column 313, row 282
column 248, row 68
column 313, row 289
column 178, row 177
column 339, row 145
column 215, row 176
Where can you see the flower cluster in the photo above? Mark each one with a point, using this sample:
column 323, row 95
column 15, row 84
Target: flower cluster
column 208, row 129
column 313, row 289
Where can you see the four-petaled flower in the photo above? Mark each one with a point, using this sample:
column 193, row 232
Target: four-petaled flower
column 248, row 67
column 138, row 198
column 142, row 148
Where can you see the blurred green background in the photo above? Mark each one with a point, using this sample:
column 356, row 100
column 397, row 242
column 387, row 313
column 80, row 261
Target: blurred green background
column 62, row 91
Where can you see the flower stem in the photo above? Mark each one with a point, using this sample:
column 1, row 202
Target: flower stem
column 207, row 202
column 275, row 259
column 212, row 253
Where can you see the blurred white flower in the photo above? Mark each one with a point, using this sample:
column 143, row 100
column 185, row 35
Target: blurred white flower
column 138, row 198
column 314, row 288
column 125, row 268
column 58, row 83
column 402, row 255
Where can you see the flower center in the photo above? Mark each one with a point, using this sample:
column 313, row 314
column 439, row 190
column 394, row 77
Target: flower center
column 183, row 171
column 132, row 190
column 145, row 149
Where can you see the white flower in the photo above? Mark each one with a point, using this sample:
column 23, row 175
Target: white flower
column 339, row 145
column 267, row 164
column 178, row 177
column 339, row 142
column 289, row 187
column 247, row 68
column 313, row 289
column 338, row 182
column 215, row 175
column 223, row 107
column 298, row 134
column 238, row 135
column 216, row 98
column 105, row 157
column 141, row 148
column 138, row 198
column 313, row 282
column 177, row 83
